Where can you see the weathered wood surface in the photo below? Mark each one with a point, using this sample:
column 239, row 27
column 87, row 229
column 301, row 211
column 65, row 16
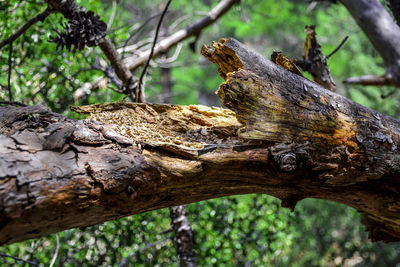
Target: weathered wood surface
column 287, row 137
column 351, row 151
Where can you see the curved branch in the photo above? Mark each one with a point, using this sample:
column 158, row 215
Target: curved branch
column 140, row 90
column 381, row 30
column 181, row 35
column 162, row 46
column 338, row 47
column 40, row 17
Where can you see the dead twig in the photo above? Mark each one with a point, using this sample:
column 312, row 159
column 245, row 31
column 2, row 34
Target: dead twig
column 338, row 47
column 19, row 259
column 165, row 44
column 371, row 80
column 10, row 95
column 139, row 90
column 192, row 30
column 53, row 260
column 137, row 31
column 14, row 103
column 40, row 17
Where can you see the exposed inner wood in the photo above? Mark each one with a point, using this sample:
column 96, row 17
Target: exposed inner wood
column 281, row 135
column 168, row 125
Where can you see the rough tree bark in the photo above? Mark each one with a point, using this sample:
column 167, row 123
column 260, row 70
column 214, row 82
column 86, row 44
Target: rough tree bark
column 183, row 234
column 284, row 136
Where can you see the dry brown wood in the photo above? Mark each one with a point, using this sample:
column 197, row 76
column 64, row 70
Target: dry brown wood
column 284, row 136
column 314, row 61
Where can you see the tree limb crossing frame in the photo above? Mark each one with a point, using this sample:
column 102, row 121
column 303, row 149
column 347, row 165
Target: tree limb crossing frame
column 282, row 135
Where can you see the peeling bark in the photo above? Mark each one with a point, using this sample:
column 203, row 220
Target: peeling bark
column 183, row 234
column 284, row 136
column 314, row 61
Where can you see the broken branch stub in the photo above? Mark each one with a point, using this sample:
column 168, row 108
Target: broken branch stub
column 287, row 137
column 342, row 142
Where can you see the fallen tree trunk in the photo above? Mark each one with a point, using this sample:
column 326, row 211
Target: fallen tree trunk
column 287, row 137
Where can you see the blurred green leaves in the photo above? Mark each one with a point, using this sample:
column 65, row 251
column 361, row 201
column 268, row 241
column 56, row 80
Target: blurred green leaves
column 231, row 231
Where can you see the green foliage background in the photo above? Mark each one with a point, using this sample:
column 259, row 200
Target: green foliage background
column 231, row 231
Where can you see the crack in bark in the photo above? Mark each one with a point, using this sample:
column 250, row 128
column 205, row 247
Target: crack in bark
column 194, row 153
column 96, row 183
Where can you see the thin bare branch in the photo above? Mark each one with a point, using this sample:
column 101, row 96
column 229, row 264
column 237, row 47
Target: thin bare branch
column 338, row 47
column 137, row 31
column 18, row 259
column 10, row 95
column 14, row 103
column 40, row 17
column 181, row 35
column 171, row 59
column 113, row 12
column 371, row 80
column 162, row 46
column 53, row 260
column 139, row 91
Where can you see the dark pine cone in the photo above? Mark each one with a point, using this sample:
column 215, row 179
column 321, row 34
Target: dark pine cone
column 83, row 29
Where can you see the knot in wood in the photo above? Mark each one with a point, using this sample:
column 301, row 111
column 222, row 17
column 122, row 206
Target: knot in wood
column 287, row 161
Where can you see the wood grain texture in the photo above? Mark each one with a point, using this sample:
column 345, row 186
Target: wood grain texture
column 282, row 135
column 340, row 141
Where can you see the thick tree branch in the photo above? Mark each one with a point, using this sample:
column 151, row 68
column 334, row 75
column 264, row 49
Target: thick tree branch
column 180, row 224
column 381, row 30
column 129, row 81
column 289, row 138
